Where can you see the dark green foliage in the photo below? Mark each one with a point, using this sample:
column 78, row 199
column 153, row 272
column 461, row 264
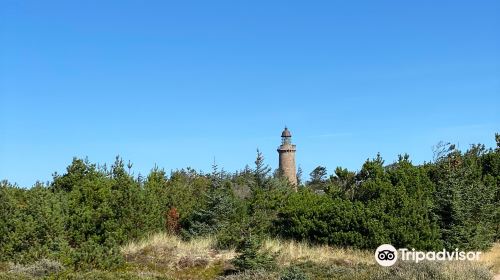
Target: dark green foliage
column 185, row 190
column 80, row 220
column 317, row 178
column 215, row 215
column 84, row 216
column 321, row 219
column 94, row 255
column 102, row 213
column 376, row 206
column 31, row 224
column 261, row 172
column 219, row 211
column 407, row 207
column 466, row 199
column 342, row 184
column 299, row 175
column 265, row 205
column 250, row 257
column 155, row 204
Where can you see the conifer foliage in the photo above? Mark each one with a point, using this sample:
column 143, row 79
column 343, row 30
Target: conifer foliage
column 83, row 216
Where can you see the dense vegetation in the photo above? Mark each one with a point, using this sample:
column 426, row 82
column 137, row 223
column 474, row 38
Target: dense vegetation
column 82, row 217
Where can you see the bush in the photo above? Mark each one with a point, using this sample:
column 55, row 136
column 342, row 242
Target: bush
column 31, row 223
column 293, row 273
column 383, row 205
column 321, row 219
column 251, row 258
column 229, row 237
column 83, row 217
column 91, row 255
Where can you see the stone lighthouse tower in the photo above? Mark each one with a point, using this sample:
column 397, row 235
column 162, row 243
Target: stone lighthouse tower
column 287, row 157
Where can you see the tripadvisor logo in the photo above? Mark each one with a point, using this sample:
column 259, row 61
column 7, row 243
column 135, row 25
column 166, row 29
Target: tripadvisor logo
column 387, row 255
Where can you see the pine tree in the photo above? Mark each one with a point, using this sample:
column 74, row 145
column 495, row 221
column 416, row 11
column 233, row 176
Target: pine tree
column 465, row 200
column 217, row 212
column 250, row 257
column 261, row 171
column 155, row 201
column 299, row 176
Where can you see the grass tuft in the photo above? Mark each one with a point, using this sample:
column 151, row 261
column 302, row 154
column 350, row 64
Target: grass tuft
column 169, row 254
column 290, row 252
column 40, row 268
column 492, row 258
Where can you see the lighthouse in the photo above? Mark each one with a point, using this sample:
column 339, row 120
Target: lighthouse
column 286, row 153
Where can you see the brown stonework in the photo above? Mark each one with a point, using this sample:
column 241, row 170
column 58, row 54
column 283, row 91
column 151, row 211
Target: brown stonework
column 287, row 157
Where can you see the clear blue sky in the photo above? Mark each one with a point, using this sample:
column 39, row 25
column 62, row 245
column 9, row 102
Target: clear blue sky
column 177, row 83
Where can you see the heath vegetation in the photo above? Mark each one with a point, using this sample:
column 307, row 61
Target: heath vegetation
column 100, row 222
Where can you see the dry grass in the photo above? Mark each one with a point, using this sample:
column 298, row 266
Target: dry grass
column 162, row 255
column 466, row 270
column 167, row 250
column 166, row 255
column 492, row 258
column 289, row 252
column 40, row 268
column 453, row 270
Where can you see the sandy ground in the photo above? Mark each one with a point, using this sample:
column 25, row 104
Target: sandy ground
column 496, row 277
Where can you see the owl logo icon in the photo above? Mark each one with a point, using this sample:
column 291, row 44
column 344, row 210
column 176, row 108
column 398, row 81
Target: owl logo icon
column 386, row 255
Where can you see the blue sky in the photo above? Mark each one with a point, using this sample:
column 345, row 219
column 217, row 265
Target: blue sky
column 177, row 83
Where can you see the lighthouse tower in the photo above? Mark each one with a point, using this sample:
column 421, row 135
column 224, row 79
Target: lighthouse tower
column 286, row 153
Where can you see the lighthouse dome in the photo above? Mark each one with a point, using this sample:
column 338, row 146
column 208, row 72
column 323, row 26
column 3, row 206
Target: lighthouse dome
column 286, row 133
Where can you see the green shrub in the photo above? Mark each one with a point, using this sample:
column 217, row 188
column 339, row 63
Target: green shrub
column 91, row 255
column 250, row 257
column 84, row 215
column 321, row 219
column 293, row 273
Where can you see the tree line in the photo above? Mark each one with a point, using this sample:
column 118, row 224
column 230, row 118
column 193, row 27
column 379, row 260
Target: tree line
column 82, row 217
